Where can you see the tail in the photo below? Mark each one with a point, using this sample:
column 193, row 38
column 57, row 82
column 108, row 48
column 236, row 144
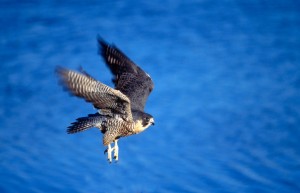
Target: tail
column 84, row 123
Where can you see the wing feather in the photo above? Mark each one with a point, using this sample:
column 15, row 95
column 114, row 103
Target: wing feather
column 104, row 98
column 129, row 78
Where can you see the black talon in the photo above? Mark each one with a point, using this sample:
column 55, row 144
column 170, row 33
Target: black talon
column 105, row 151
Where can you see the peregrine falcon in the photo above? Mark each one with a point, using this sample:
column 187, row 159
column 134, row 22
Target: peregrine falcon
column 120, row 109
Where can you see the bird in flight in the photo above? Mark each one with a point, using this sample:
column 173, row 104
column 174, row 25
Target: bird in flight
column 120, row 109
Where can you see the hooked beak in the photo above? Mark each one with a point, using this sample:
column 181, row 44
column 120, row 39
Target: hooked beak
column 152, row 122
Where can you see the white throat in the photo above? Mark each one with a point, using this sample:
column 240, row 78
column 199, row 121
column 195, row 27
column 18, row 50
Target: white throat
column 138, row 126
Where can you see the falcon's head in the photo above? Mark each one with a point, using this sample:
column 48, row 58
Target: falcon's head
column 147, row 120
column 142, row 121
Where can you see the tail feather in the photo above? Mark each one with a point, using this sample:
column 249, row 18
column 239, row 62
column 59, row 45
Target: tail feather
column 84, row 123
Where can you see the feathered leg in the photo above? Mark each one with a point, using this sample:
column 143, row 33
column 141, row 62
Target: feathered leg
column 116, row 150
column 110, row 149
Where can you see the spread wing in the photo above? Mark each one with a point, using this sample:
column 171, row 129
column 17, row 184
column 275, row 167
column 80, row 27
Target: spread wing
column 130, row 79
column 104, row 98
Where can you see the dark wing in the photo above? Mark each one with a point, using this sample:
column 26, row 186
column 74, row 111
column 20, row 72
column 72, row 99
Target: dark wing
column 104, row 98
column 128, row 77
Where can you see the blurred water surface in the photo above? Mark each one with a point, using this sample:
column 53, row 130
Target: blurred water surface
column 226, row 99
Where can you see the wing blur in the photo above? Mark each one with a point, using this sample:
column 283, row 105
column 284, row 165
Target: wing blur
column 130, row 79
column 104, row 98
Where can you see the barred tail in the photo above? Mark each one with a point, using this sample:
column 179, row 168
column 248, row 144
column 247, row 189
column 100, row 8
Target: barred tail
column 84, row 123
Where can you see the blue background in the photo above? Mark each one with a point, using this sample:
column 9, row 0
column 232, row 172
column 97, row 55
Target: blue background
column 226, row 100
